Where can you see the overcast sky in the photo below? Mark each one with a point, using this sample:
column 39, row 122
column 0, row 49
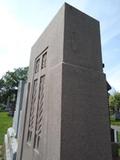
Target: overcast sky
column 22, row 22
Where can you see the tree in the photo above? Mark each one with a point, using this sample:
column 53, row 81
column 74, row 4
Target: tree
column 9, row 83
column 114, row 102
column 11, row 79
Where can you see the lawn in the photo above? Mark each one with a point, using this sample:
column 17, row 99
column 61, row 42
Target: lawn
column 5, row 122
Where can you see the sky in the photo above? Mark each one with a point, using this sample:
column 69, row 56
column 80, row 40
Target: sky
column 23, row 21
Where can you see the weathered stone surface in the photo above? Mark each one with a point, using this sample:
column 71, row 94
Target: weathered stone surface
column 67, row 108
column 10, row 144
column 16, row 119
column 22, row 124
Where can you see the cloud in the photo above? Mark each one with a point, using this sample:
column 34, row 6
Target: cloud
column 16, row 39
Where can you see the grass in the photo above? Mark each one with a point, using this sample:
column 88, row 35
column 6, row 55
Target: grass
column 5, row 123
column 1, row 152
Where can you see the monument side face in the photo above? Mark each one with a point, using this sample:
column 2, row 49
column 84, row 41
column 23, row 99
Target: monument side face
column 85, row 130
column 43, row 122
column 82, row 44
column 67, row 110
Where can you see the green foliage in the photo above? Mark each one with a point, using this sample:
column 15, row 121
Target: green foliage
column 1, row 83
column 9, row 83
column 114, row 102
column 2, row 107
column 117, row 100
column 11, row 79
column 115, row 122
column 5, row 123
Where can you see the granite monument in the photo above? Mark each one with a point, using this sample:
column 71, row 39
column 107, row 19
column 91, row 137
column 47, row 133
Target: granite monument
column 67, row 114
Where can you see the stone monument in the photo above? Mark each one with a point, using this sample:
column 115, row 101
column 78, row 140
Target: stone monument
column 67, row 107
column 17, row 113
column 22, row 126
